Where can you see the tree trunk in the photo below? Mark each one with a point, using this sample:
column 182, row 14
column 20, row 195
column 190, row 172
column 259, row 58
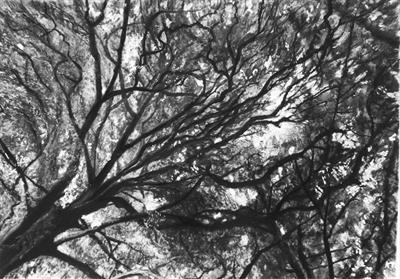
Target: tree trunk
column 30, row 239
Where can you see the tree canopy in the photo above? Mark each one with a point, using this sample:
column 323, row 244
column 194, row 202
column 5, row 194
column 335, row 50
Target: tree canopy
column 198, row 139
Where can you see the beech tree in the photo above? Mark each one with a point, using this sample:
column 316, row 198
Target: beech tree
column 198, row 139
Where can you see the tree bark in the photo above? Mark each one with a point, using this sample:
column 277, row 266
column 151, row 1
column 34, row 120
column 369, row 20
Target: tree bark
column 29, row 241
column 85, row 268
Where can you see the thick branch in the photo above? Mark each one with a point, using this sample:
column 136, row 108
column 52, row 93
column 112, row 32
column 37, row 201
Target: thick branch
column 85, row 268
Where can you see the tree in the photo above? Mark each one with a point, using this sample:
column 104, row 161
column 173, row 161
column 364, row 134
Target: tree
column 241, row 139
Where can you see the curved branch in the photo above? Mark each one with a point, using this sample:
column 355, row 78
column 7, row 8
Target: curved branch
column 85, row 268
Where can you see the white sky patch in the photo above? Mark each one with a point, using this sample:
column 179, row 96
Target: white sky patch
column 217, row 140
column 130, row 52
column 94, row 219
column 217, row 215
column 268, row 63
column 199, row 82
column 275, row 178
column 242, row 197
column 393, row 137
column 282, row 230
column 181, row 157
column 203, row 65
column 349, row 140
column 244, row 240
column 285, row 131
column 272, row 134
column 168, row 22
column 269, row 141
column 94, row 13
column 152, row 203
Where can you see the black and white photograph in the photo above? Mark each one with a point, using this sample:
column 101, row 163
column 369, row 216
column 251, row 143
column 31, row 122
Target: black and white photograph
column 194, row 139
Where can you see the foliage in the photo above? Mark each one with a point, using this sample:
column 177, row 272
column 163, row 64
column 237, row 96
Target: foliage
column 198, row 139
